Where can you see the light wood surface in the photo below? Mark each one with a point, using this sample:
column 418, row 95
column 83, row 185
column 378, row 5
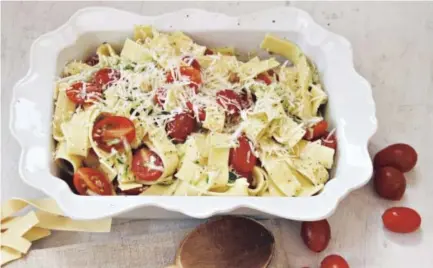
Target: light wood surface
column 393, row 49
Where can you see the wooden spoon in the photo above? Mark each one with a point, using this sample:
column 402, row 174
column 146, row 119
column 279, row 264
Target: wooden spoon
column 229, row 242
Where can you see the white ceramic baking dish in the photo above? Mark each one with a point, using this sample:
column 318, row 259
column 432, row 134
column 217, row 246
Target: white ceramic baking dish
column 350, row 109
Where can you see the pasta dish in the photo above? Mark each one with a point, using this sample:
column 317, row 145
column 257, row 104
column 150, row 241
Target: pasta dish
column 167, row 116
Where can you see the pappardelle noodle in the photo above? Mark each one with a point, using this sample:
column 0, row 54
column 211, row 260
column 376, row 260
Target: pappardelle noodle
column 168, row 116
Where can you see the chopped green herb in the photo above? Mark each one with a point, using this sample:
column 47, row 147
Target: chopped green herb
column 120, row 161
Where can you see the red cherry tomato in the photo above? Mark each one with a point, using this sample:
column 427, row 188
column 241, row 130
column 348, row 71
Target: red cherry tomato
column 110, row 132
column 181, row 126
column 265, row 78
column 106, row 77
column 317, row 131
column 208, row 52
column 242, row 158
column 316, row 234
column 84, row 93
column 92, row 179
column 389, row 183
column 160, row 96
column 201, row 111
column 191, row 62
column 147, row 165
column 401, row 220
column 229, row 100
column 329, row 140
column 190, row 73
column 92, row 60
column 400, row 156
column 334, row 261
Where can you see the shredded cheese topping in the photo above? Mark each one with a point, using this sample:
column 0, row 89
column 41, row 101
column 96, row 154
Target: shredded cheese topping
column 274, row 106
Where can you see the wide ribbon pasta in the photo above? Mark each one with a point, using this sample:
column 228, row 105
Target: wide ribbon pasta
column 186, row 119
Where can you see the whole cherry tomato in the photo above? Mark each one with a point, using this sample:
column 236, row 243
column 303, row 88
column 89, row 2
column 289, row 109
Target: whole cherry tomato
column 181, row 126
column 400, row 156
column 389, row 183
column 316, row 234
column 401, row 220
column 334, row 261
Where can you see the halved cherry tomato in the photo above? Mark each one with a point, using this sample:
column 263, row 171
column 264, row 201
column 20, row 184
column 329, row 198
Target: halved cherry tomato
column 401, row 220
column 316, row 234
column 317, row 131
column 265, row 78
column 389, row 183
column 106, row 77
column 191, row 62
column 192, row 74
column 401, row 156
column 201, row 111
column 92, row 60
column 181, row 126
column 146, row 165
column 246, row 99
column 242, row 158
column 84, row 93
column 229, row 100
column 160, row 96
column 329, row 140
column 92, row 179
column 208, row 52
column 111, row 131
column 334, row 261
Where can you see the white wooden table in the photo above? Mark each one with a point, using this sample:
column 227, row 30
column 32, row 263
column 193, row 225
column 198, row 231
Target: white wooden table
column 393, row 49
